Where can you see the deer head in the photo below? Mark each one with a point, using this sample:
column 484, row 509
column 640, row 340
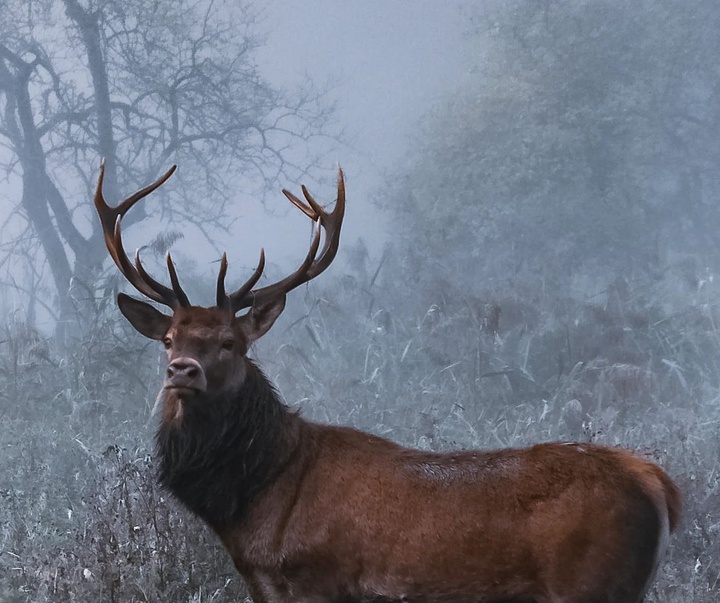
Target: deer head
column 206, row 347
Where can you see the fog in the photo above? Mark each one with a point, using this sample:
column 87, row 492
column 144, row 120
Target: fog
column 380, row 74
column 528, row 253
column 384, row 67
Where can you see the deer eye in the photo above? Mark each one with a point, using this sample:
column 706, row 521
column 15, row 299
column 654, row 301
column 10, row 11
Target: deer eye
column 228, row 344
column 167, row 342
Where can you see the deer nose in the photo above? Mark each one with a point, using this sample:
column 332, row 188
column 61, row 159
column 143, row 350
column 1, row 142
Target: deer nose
column 185, row 373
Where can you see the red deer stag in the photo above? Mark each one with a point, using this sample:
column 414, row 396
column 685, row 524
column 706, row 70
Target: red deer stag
column 313, row 513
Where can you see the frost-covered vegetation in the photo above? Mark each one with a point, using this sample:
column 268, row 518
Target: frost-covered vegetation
column 83, row 519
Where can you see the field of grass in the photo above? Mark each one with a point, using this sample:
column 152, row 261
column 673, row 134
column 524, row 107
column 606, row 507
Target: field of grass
column 82, row 519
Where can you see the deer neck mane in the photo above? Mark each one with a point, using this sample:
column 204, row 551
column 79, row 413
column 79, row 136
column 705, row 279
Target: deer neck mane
column 227, row 449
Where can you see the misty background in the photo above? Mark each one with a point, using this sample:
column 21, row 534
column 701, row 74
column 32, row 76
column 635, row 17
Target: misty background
column 528, row 254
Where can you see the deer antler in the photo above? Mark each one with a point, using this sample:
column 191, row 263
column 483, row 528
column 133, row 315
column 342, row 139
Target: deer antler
column 110, row 217
column 311, row 267
column 245, row 296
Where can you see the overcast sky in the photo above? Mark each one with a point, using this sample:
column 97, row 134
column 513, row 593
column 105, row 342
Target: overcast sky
column 388, row 64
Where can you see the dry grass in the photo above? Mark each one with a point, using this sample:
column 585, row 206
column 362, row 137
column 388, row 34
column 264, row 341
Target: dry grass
column 83, row 520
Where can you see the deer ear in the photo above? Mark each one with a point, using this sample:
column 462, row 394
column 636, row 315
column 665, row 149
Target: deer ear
column 146, row 319
column 260, row 318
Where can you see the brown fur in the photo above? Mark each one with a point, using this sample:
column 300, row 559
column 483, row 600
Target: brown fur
column 313, row 513
column 356, row 517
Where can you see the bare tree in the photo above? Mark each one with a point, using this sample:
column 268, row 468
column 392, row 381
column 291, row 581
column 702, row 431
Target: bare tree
column 142, row 84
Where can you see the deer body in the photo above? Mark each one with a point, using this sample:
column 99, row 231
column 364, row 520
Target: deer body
column 336, row 514
column 316, row 513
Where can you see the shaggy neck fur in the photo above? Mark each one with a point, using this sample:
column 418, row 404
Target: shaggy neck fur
column 227, row 449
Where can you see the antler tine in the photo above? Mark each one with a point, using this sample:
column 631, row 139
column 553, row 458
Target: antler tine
column 332, row 222
column 311, row 212
column 150, row 281
column 222, row 300
column 250, row 298
column 226, row 301
column 230, row 301
column 110, row 218
column 177, row 289
column 108, row 215
column 134, row 277
column 313, row 264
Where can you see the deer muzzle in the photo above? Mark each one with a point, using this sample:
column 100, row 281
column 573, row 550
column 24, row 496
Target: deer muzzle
column 185, row 374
